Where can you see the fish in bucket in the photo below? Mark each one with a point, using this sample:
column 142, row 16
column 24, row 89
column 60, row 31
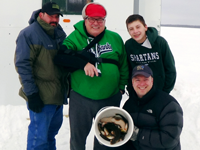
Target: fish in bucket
column 113, row 126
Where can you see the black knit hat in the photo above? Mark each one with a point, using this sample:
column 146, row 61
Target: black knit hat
column 144, row 70
column 51, row 8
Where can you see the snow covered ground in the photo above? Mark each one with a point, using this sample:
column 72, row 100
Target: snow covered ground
column 184, row 43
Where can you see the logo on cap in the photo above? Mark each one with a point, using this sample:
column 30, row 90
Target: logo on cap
column 55, row 6
column 140, row 67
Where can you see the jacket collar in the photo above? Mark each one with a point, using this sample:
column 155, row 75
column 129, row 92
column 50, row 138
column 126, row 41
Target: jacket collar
column 146, row 98
column 47, row 27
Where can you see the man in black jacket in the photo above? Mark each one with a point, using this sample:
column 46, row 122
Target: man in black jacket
column 157, row 116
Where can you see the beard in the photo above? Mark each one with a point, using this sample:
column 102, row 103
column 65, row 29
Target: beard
column 53, row 24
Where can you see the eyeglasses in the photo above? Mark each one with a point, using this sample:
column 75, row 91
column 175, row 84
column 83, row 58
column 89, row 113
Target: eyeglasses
column 92, row 20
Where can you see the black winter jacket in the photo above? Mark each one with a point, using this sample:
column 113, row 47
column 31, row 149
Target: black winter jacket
column 159, row 118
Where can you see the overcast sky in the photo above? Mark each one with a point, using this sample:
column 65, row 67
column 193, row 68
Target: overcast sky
column 181, row 12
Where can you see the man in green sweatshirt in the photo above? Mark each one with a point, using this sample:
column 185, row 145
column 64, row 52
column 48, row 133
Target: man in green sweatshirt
column 100, row 74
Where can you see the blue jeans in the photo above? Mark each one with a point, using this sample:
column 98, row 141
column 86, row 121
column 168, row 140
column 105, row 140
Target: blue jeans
column 43, row 128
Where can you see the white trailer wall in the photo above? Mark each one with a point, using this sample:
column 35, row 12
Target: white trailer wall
column 14, row 16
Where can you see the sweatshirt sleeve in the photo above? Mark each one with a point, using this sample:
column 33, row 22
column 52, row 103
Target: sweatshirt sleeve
column 123, row 68
column 169, row 67
column 70, row 60
column 24, row 59
column 167, row 135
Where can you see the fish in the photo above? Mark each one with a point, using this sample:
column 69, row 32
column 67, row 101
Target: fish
column 113, row 129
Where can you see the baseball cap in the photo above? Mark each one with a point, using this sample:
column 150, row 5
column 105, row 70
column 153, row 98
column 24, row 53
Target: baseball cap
column 94, row 10
column 51, row 8
column 144, row 70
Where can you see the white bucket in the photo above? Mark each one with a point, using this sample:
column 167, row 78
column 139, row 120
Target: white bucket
column 108, row 112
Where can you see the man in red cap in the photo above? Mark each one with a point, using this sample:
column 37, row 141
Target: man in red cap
column 97, row 59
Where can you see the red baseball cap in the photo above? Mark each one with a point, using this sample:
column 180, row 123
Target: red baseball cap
column 93, row 10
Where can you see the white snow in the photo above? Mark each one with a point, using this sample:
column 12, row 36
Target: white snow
column 184, row 43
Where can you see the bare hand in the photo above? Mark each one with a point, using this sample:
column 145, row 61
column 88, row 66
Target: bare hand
column 90, row 70
column 121, row 92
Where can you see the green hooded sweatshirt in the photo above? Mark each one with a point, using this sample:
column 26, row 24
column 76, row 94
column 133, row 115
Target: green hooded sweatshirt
column 113, row 78
column 159, row 58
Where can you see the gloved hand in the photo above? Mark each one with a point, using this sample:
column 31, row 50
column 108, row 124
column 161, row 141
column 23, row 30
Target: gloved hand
column 135, row 133
column 35, row 103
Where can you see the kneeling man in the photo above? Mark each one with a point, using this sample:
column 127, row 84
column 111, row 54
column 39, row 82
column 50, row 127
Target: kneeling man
column 157, row 116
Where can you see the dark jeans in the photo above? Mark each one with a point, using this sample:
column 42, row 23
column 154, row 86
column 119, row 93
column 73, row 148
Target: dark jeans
column 82, row 110
column 43, row 128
